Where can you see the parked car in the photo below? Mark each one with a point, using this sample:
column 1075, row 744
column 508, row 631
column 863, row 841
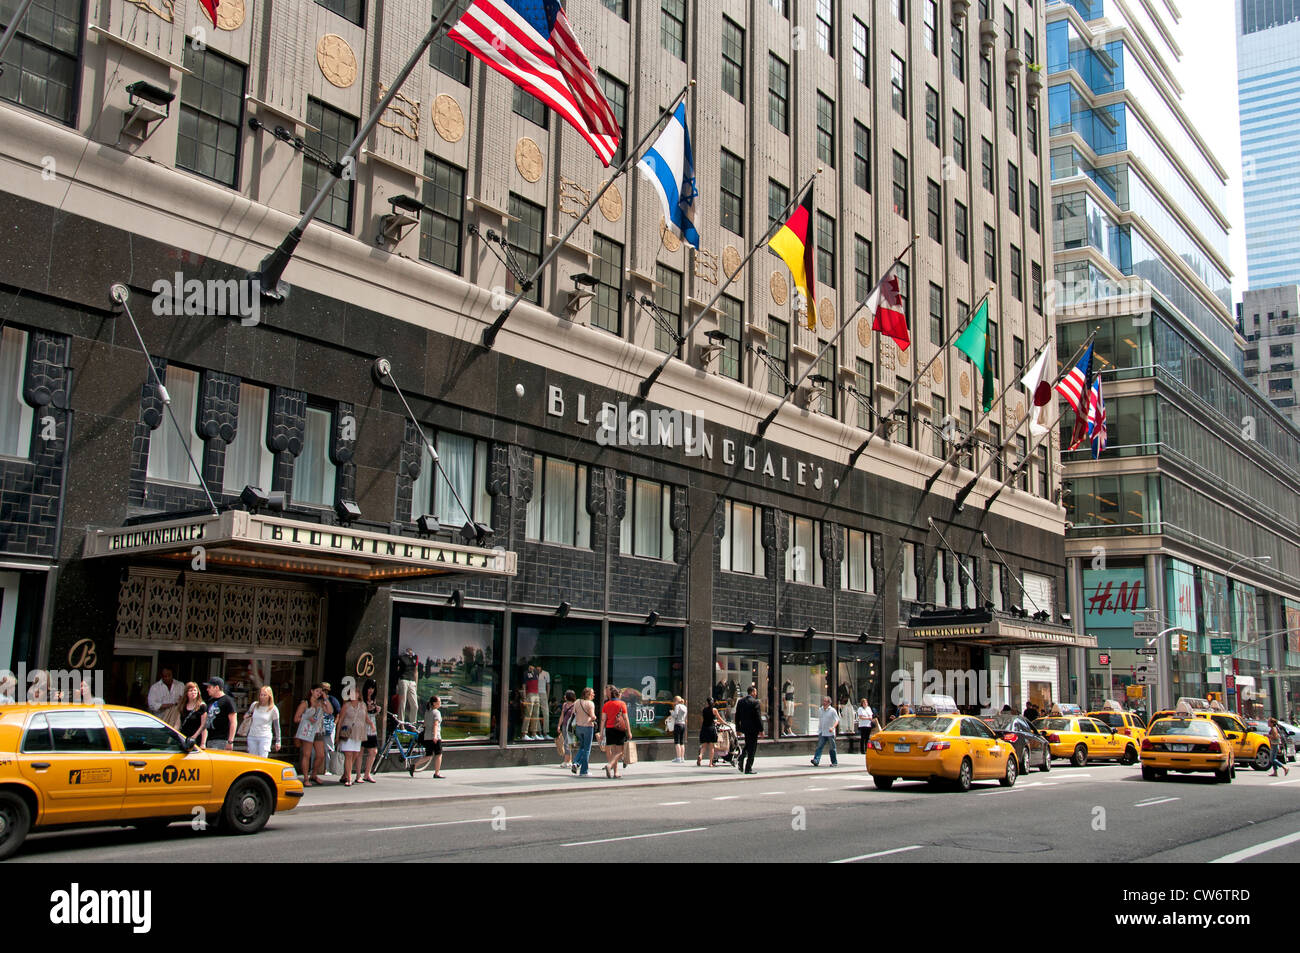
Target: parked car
column 939, row 747
column 1031, row 747
column 1290, row 736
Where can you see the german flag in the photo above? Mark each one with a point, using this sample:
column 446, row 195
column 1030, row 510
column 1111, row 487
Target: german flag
column 794, row 246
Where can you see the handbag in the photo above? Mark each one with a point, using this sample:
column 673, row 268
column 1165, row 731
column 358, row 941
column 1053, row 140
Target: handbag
column 245, row 724
column 670, row 723
column 629, row 752
column 621, row 722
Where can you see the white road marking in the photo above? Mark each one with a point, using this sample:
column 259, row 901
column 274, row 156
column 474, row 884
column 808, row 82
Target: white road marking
column 1249, row 852
column 769, row 793
column 473, row 820
column 727, row 797
column 880, row 853
column 1292, row 781
column 1020, row 787
column 610, row 840
column 1159, row 800
column 814, row 789
column 672, row 803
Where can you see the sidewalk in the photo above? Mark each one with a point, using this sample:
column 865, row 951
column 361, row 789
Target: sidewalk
column 396, row 788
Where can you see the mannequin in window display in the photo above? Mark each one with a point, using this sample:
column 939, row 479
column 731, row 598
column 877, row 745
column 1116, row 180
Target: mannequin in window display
column 531, row 704
column 787, row 704
column 544, row 704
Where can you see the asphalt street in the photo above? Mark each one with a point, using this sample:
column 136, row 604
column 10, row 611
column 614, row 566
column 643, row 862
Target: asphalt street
column 1095, row 814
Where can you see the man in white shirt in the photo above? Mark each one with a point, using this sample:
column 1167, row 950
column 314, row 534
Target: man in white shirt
column 828, row 721
column 166, row 691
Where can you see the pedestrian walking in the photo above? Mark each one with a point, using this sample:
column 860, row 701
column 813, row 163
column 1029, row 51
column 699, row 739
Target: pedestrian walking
column 584, row 729
column 223, row 718
column 193, row 714
column 263, row 724
column 332, row 708
column 1277, row 748
column 708, row 732
column 310, row 734
column 830, row 718
column 432, row 740
column 749, row 722
column 350, row 731
column 614, row 731
column 370, row 746
column 679, row 716
column 165, row 692
column 865, row 718
column 564, row 737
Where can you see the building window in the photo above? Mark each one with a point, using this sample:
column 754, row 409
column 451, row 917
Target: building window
column 930, row 31
column 861, row 268
column 1013, row 117
column 1009, row 27
column 907, row 572
column 965, row 456
column 1017, row 278
column 607, row 260
column 866, row 390
column 557, row 512
column 732, row 204
column 741, row 549
column 525, row 232
column 942, row 597
column 616, row 6
column 959, row 139
column 903, row 415
column 42, row 65
column 966, row 581
column 732, row 324
column 986, row 164
column 826, row 27
column 778, row 351
column 333, row 132
column 934, row 210
column 351, row 10
column 898, row 84
column 529, row 106
column 986, row 81
column 856, row 573
column 464, row 462
column 900, row 186
column 995, row 449
column 861, row 56
column 314, row 471
column 1036, row 285
column 168, row 460
column 959, row 53
column 248, row 461
column 733, row 59
column 803, row 560
column 826, row 367
column 778, row 92
column 861, row 156
column 940, row 446
column 1018, row 356
column 449, row 57
column 444, row 213
column 212, row 108
column 1031, row 48
column 1031, row 126
column 668, row 297
column 995, row 350
column 959, row 226
column 781, row 6
column 1033, row 206
column 1013, row 188
column 902, row 273
column 900, row 10
column 672, row 27
column 932, row 115
column 616, row 92
column 990, row 253
column 995, row 586
column 826, row 265
column 936, row 315
column 647, row 520
column 778, row 197
column 825, row 129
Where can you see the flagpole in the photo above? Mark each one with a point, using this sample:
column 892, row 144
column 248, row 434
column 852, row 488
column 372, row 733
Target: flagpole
column 776, row 226
column 271, row 270
column 13, row 29
column 767, row 421
column 987, row 414
column 965, row 491
column 490, row 335
column 961, row 326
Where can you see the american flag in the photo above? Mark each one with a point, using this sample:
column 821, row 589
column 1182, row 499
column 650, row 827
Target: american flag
column 531, row 43
column 1073, row 387
column 1096, row 418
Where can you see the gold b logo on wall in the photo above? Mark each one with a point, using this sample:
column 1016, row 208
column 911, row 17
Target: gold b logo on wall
column 365, row 665
column 82, row 654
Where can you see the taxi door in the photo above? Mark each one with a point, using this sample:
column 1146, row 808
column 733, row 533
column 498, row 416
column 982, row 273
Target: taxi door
column 67, row 755
column 988, row 754
column 161, row 779
column 1111, row 744
column 1235, row 732
column 1094, row 735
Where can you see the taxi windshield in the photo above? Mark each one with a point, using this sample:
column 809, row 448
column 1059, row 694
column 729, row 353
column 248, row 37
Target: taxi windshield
column 934, row 723
column 1197, row 727
column 1053, row 724
column 1112, row 718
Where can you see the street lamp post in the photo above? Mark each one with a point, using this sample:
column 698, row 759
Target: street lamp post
column 1247, row 559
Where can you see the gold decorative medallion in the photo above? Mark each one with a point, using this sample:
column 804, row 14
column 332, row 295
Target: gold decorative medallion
column 230, row 15
column 1020, row 411
column 611, row 204
column 965, row 383
column 667, row 236
column 864, row 332
column 937, row 370
column 167, row 13
column 448, row 120
column 402, row 114
column 730, row 260
column 826, row 313
column 337, row 62
column 780, row 290
column 528, row 159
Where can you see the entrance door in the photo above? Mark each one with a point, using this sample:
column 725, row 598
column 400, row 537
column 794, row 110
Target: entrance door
column 8, row 618
column 129, row 678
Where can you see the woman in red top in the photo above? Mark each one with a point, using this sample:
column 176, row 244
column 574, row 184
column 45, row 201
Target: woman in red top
column 614, row 729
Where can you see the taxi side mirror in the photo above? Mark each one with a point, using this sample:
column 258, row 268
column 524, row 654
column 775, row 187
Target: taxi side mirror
column 188, row 744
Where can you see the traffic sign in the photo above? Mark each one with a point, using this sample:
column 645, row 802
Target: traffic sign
column 1144, row 629
column 1103, row 659
column 1221, row 646
column 1147, row 651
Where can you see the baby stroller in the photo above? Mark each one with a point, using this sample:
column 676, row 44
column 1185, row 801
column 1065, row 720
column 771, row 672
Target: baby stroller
column 727, row 747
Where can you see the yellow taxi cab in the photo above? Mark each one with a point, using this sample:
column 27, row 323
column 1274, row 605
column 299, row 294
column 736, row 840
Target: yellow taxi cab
column 81, row 765
column 933, row 746
column 1247, row 746
column 1186, row 743
column 1081, row 739
column 1124, row 722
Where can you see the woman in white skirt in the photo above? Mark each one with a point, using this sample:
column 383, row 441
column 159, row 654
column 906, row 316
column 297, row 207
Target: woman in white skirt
column 264, row 724
column 350, row 731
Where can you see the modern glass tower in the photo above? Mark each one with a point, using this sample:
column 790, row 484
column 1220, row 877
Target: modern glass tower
column 1268, row 80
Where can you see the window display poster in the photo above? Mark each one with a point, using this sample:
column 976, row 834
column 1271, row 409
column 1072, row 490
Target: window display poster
column 456, row 662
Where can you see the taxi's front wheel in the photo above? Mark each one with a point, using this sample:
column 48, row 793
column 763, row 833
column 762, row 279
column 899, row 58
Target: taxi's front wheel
column 1263, row 759
column 247, row 807
column 1080, row 756
column 15, row 821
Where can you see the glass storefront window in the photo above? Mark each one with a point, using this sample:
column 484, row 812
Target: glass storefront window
column 457, row 652
column 552, row 656
column 804, row 681
column 858, row 675
column 647, row 668
column 739, row 661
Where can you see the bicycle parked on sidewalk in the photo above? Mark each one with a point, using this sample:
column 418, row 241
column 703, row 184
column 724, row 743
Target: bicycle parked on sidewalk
column 403, row 741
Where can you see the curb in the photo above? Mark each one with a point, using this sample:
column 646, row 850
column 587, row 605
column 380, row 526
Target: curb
column 424, row 800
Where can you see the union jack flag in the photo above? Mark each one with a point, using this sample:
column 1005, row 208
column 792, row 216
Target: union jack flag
column 1096, row 418
column 531, row 43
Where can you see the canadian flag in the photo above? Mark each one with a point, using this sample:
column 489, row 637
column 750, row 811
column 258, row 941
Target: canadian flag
column 211, row 7
column 886, row 306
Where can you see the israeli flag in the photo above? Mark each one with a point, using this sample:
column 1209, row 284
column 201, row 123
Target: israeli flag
column 670, row 167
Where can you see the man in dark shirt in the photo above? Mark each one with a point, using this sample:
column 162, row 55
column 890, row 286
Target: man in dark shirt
column 223, row 717
column 749, row 722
